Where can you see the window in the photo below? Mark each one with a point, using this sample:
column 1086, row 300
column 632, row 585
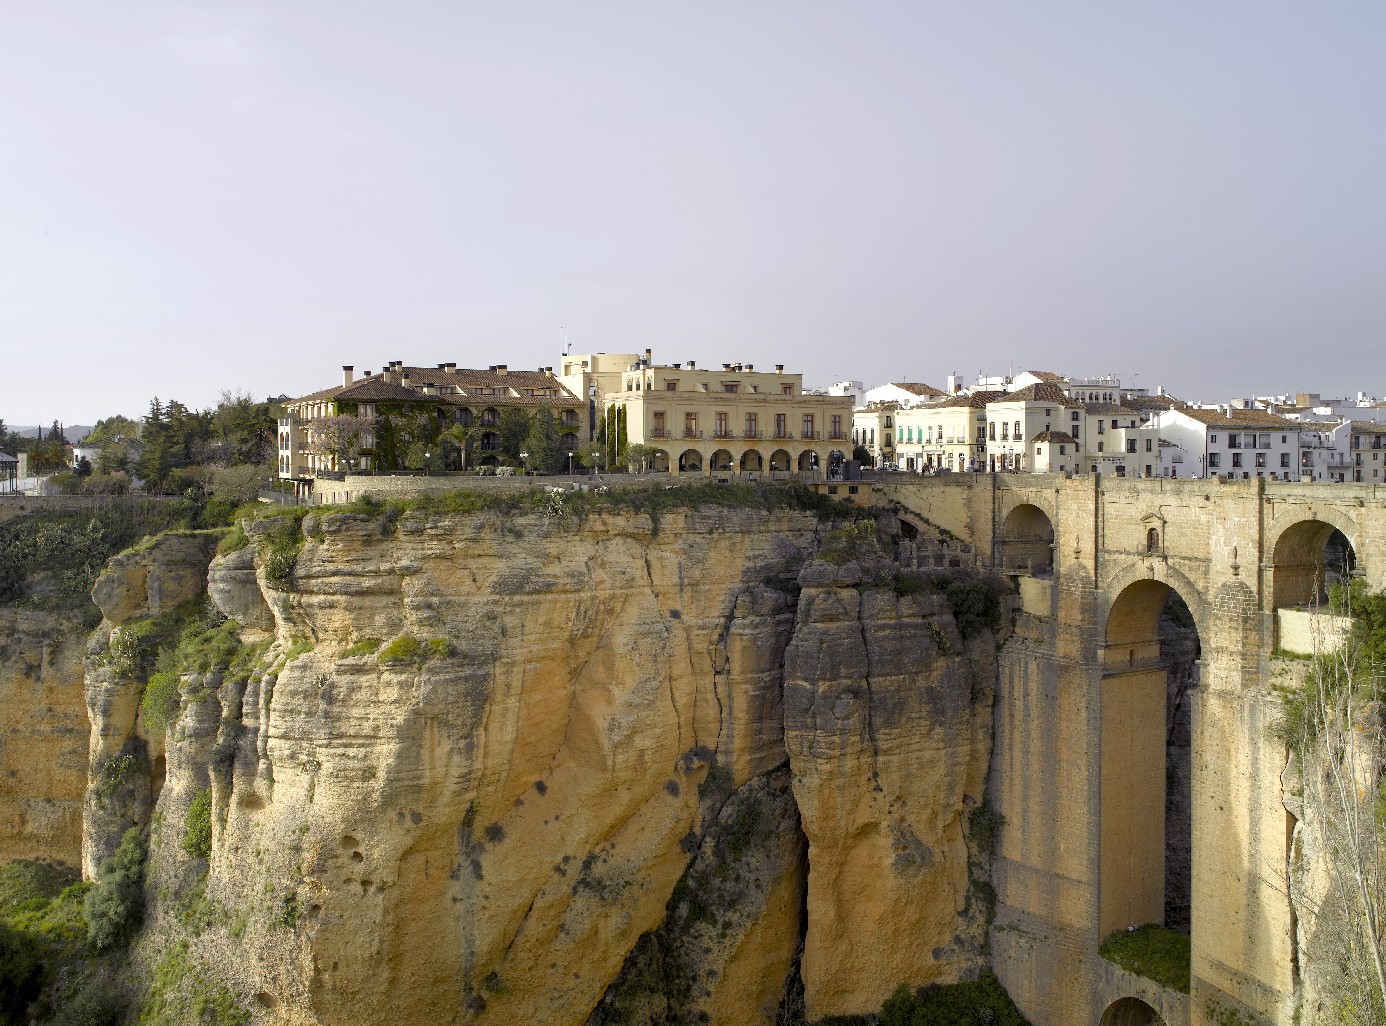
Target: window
column 730, row 386
column 659, row 424
column 1130, row 445
column 1100, row 445
column 991, row 431
column 1016, row 433
column 690, row 425
column 1073, row 415
column 1148, row 445
column 1213, row 439
column 1260, row 459
column 835, row 425
column 1284, row 459
column 808, row 425
column 788, row 390
column 671, row 386
column 1236, row 459
column 1101, row 427
column 720, row 428
column 1152, row 536
column 752, row 425
column 1005, row 431
column 781, row 429
column 1214, row 459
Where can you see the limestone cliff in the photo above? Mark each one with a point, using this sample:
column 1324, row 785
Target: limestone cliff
column 474, row 759
column 43, row 736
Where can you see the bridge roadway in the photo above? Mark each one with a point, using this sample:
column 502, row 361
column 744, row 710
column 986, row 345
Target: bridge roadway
column 1080, row 735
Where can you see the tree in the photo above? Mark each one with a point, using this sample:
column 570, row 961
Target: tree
column 83, row 468
column 514, row 432
column 463, row 439
column 337, row 438
column 545, row 448
column 593, row 456
column 639, row 457
column 1334, row 727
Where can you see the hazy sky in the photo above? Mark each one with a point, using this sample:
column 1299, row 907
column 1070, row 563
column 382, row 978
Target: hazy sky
column 205, row 196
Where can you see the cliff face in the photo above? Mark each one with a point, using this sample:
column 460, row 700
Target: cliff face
column 43, row 736
column 482, row 757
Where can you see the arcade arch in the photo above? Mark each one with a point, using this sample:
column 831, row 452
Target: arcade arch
column 1027, row 539
column 720, row 461
column 1308, row 558
column 690, row 461
column 808, row 461
column 751, row 461
column 780, row 461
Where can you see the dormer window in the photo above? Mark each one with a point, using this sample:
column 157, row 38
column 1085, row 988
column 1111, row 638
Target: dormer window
column 787, row 389
column 671, row 386
column 731, row 386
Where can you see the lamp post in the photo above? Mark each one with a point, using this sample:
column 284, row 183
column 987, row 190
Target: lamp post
column 570, row 464
column 524, row 458
column 427, row 456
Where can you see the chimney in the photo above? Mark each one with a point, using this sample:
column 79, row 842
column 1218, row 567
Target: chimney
column 451, row 368
column 500, row 368
column 368, row 374
column 779, row 368
column 750, row 366
column 348, row 374
column 404, row 377
column 726, row 366
column 1159, row 389
column 442, row 366
column 692, row 365
column 678, row 366
column 647, row 357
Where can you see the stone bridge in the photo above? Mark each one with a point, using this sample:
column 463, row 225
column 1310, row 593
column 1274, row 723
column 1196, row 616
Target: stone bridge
column 1084, row 722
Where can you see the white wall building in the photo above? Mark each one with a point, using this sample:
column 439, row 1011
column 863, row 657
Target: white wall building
column 1231, row 443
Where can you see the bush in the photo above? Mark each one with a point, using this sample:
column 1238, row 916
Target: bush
column 1153, row 952
column 197, row 825
column 160, row 702
column 99, row 1002
column 981, row 1001
column 114, row 908
column 404, row 649
column 364, row 647
column 21, row 973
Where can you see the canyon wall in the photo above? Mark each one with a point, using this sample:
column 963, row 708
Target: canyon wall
column 520, row 768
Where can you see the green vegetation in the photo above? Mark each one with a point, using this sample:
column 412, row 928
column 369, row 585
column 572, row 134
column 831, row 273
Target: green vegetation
column 50, row 560
column 114, row 908
column 46, row 966
column 1153, row 952
column 180, row 993
column 364, row 647
column 197, row 825
column 983, row 1000
column 856, row 540
column 284, row 539
column 407, row 649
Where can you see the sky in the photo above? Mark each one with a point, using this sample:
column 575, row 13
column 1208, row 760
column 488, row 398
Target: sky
column 206, row 196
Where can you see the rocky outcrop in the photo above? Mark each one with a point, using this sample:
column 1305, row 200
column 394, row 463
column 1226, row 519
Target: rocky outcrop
column 43, row 736
column 126, row 763
column 501, row 769
column 888, row 727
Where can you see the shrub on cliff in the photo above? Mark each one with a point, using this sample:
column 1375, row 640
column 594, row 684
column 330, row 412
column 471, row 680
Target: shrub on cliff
column 21, row 973
column 114, row 908
column 197, row 825
column 983, row 1000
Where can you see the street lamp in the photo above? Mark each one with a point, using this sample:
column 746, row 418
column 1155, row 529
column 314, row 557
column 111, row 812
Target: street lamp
column 427, row 456
column 524, row 458
column 570, row 464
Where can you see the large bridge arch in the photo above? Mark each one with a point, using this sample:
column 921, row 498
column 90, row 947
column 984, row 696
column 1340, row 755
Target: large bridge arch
column 1151, row 652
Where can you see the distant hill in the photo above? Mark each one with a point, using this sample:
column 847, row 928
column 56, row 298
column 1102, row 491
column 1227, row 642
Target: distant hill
column 74, row 433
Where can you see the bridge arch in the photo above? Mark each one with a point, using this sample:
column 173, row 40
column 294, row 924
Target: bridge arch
column 1151, row 655
column 1027, row 539
column 1307, row 554
column 1130, row 1011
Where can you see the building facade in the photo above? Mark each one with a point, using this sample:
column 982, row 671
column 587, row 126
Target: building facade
column 727, row 421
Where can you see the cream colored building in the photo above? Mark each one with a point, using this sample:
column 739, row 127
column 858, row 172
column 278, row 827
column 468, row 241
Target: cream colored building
column 727, row 421
column 946, row 435
column 873, row 428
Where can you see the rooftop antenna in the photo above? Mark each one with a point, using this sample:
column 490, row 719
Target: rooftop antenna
column 563, row 336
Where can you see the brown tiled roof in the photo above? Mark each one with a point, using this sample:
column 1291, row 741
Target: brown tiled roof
column 1238, row 418
column 382, row 388
column 565, row 400
column 1047, row 376
column 918, row 388
column 1110, row 409
column 1368, row 427
column 1044, row 392
column 1054, row 436
column 1151, row 402
column 976, row 400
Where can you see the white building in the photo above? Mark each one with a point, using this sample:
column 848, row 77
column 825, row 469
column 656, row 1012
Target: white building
column 905, row 393
column 1231, row 443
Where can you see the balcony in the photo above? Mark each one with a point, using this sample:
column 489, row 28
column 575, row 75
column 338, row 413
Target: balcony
column 784, row 436
column 837, row 436
column 659, row 433
column 726, row 435
column 692, row 433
